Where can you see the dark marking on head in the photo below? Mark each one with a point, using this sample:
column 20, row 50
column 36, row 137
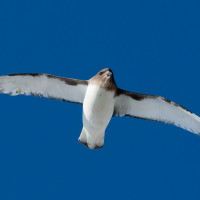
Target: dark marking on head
column 104, row 79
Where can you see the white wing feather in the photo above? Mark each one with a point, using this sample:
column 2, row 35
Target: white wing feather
column 44, row 85
column 156, row 108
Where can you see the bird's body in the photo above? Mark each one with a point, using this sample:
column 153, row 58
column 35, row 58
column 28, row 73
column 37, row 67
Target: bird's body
column 98, row 107
column 101, row 99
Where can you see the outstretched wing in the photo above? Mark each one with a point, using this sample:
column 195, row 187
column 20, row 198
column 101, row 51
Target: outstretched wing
column 155, row 108
column 44, row 85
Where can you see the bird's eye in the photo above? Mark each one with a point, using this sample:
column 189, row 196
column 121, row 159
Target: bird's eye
column 100, row 73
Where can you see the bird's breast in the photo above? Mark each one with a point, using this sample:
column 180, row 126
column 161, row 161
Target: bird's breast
column 98, row 106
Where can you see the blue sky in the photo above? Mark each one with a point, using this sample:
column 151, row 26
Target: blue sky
column 153, row 47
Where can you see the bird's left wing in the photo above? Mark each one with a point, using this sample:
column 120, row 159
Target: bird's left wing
column 44, row 85
column 155, row 108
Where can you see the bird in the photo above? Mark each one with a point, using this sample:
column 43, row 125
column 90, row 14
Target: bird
column 102, row 99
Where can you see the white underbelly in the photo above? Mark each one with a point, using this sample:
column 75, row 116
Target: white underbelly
column 98, row 109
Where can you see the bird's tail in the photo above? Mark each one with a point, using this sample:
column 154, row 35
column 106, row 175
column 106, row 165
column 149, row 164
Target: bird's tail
column 91, row 142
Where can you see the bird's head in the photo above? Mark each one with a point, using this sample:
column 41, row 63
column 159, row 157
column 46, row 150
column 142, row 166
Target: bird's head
column 105, row 79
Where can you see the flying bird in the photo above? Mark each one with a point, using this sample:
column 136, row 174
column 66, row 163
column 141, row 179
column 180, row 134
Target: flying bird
column 101, row 100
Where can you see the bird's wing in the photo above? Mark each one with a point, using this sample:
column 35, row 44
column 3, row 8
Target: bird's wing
column 155, row 108
column 44, row 85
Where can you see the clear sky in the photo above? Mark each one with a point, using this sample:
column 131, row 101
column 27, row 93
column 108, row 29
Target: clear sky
column 153, row 47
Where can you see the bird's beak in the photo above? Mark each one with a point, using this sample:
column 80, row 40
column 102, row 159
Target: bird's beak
column 109, row 74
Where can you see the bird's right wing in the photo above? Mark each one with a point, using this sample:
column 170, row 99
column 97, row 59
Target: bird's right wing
column 44, row 85
column 155, row 108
